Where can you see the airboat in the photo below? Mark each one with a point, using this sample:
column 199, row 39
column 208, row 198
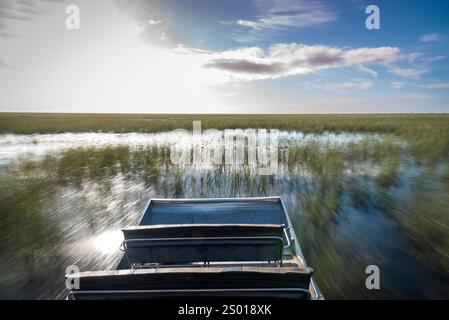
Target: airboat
column 205, row 249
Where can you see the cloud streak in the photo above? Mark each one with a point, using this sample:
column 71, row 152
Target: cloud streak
column 410, row 73
column 282, row 60
column 287, row 14
column 153, row 19
column 436, row 85
column 430, row 85
column 342, row 87
column 370, row 71
column 431, row 37
column 413, row 65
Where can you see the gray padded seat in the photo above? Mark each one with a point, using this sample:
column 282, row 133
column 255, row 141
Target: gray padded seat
column 180, row 244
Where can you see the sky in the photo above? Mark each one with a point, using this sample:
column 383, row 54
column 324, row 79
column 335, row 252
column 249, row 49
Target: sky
column 234, row 56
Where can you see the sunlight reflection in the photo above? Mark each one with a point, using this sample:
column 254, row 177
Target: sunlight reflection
column 109, row 241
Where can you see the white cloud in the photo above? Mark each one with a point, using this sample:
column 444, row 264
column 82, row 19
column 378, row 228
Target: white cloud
column 397, row 84
column 433, row 59
column 431, row 85
column 280, row 60
column 412, row 57
column 414, row 65
column 361, row 85
column 410, row 73
column 285, row 14
column 367, row 70
column 436, row 85
column 419, row 58
column 152, row 18
column 346, row 86
column 431, row 37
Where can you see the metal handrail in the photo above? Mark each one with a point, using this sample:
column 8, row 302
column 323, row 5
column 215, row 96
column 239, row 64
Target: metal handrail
column 287, row 238
column 192, row 290
column 201, row 238
column 73, row 293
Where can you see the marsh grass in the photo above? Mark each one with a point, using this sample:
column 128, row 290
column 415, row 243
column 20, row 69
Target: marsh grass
column 36, row 243
column 319, row 177
column 428, row 220
column 428, row 134
column 360, row 196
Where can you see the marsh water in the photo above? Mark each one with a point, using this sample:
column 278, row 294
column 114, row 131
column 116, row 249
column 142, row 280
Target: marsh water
column 355, row 200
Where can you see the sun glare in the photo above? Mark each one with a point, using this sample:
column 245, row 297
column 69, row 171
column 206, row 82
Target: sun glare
column 109, row 241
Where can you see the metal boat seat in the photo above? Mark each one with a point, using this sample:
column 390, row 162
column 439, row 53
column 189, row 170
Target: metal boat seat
column 187, row 243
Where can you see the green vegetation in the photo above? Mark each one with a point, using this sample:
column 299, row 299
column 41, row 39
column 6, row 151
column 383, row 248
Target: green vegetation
column 428, row 133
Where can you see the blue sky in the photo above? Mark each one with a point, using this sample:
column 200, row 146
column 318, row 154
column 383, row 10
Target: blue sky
column 254, row 56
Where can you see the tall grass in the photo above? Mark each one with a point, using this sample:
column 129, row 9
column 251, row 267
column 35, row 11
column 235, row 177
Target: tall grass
column 427, row 133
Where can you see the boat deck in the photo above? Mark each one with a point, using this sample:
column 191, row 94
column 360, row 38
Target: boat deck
column 215, row 211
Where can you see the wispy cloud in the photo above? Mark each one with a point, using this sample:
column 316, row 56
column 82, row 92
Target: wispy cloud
column 287, row 14
column 430, row 85
column 410, row 73
column 430, row 37
column 291, row 59
column 398, row 84
column 433, row 59
column 152, row 17
column 343, row 87
column 413, row 65
column 367, row 70
column 436, row 85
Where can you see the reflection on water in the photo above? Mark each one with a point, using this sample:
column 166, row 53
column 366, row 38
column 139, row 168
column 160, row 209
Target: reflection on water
column 355, row 200
column 13, row 146
column 108, row 241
